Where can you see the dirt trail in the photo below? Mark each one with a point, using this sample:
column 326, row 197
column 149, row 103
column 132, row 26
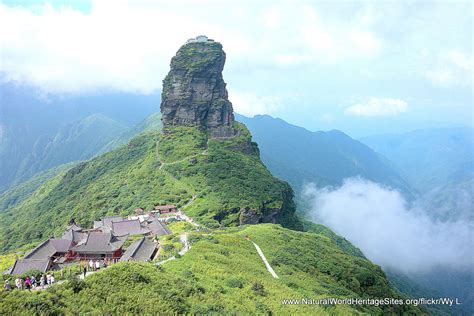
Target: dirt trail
column 186, row 187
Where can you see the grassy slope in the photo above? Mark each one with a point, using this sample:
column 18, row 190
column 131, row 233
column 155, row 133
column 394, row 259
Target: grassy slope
column 223, row 273
column 223, row 177
column 78, row 140
column 151, row 123
column 22, row 191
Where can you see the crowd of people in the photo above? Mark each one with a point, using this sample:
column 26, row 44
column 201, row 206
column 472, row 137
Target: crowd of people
column 94, row 265
column 30, row 283
column 45, row 280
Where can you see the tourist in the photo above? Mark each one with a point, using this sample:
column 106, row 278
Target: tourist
column 7, row 286
column 48, row 279
column 33, row 281
column 42, row 281
column 97, row 264
column 18, row 284
column 91, row 265
column 28, row 284
column 52, row 279
column 85, row 271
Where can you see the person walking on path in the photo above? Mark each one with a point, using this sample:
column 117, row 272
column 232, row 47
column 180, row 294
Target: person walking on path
column 85, row 271
column 33, row 281
column 91, row 265
column 18, row 283
column 7, row 286
column 28, row 284
column 43, row 281
column 48, row 279
column 52, row 279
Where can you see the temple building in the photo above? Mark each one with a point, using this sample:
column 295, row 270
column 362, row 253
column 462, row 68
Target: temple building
column 104, row 241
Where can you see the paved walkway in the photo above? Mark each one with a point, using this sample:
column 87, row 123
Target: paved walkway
column 184, row 240
column 265, row 261
column 40, row 288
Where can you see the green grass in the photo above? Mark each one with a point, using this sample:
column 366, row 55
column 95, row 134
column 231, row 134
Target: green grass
column 179, row 227
column 222, row 273
column 6, row 261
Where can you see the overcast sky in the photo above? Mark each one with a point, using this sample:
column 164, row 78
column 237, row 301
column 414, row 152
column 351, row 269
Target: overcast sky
column 362, row 67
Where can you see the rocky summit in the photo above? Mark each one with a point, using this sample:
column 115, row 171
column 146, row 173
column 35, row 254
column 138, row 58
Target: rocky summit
column 194, row 91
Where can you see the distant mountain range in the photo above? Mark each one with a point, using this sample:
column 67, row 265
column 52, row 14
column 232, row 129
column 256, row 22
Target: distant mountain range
column 41, row 132
column 429, row 158
column 325, row 158
column 439, row 163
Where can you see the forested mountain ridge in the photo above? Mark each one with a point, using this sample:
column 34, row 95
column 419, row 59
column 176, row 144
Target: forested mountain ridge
column 325, row 158
column 38, row 132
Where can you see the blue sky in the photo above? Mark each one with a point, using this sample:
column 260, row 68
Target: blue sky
column 362, row 67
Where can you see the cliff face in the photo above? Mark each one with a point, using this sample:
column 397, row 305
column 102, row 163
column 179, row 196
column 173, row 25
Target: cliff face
column 194, row 91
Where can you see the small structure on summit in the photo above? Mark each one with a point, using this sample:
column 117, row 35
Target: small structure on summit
column 199, row 39
column 194, row 91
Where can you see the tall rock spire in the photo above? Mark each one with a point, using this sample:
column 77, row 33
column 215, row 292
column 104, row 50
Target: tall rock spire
column 194, row 92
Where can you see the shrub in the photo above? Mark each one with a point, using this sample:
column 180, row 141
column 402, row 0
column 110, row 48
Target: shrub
column 235, row 283
column 259, row 289
column 75, row 284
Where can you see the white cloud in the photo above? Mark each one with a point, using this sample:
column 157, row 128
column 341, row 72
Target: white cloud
column 378, row 107
column 272, row 18
column 249, row 104
column 118, row 45
column 328, row 42
column 452, row 68
column 377, row 220
column 127, row 45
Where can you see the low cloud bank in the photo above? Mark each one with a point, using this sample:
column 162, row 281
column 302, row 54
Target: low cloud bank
column 378, row 221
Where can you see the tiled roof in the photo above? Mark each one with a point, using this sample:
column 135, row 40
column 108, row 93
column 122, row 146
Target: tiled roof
column 129, row 227
column 100, row 242
column 24, row 265
column 107, row 221
column 165, row 207
column 158, row 228
column 74, row 236
column 140, row 250
column 42, row 251
column 61, row 245
column 74, row 227
column 48, row 248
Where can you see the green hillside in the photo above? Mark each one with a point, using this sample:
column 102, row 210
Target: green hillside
column 73, row 141
column 22, row 191
column 151, row 123
column 222, row 273
column 211, row 179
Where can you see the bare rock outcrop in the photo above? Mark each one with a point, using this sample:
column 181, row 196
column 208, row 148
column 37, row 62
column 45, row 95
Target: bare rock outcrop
column 194, row 91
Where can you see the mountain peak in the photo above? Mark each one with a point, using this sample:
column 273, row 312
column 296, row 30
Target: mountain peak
column 194, row 91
